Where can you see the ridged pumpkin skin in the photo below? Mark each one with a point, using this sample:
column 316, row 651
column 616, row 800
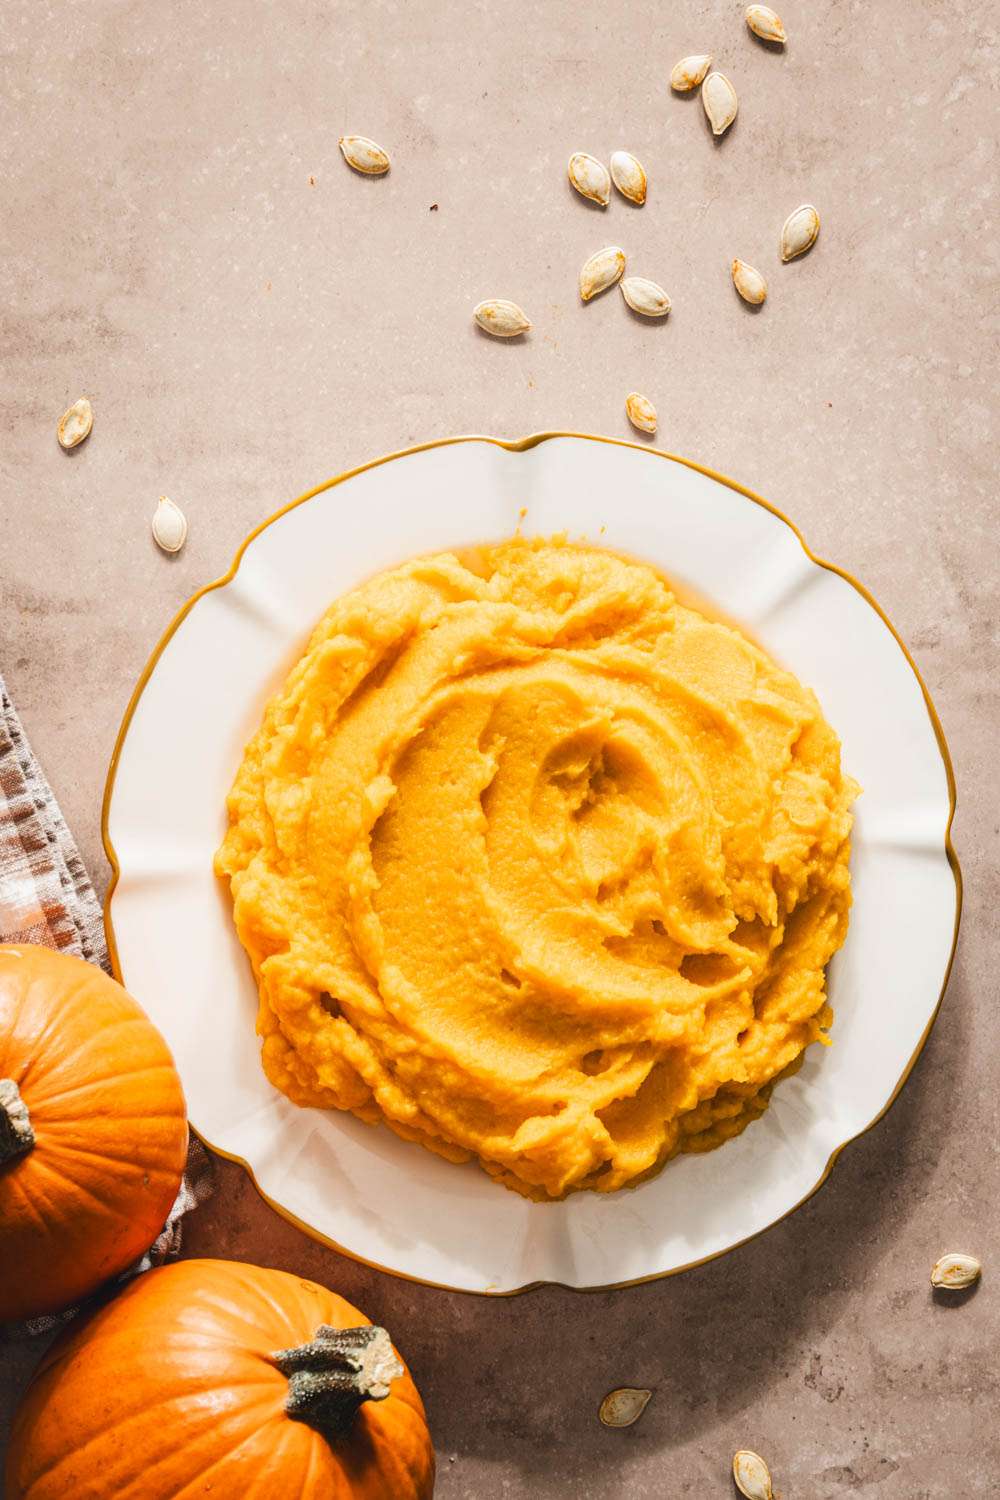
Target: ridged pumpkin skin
column 168, row 1393
column 107, row 1111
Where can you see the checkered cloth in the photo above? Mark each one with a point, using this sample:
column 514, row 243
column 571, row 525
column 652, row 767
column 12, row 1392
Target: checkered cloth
column 46, row 897
column 45, row 893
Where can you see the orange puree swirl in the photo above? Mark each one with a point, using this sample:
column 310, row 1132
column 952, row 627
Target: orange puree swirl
column 537, row 866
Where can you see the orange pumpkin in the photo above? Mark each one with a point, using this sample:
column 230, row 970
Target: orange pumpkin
column 209, row 1377
column 93, row 1135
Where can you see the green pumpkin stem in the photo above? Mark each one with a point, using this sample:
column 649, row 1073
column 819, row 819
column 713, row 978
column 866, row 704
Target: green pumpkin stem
column 330, row 1377
column 16, row 1134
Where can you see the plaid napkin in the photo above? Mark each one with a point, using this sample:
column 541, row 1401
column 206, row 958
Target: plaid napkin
column 46, row 897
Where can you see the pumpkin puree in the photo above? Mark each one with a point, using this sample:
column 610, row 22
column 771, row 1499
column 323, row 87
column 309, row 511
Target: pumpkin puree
column 538, row 866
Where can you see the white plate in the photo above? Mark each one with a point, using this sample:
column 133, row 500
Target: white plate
column 369, row 1193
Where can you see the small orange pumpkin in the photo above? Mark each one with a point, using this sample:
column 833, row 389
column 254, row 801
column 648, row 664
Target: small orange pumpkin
column 93, row 1134
column 213, row 1377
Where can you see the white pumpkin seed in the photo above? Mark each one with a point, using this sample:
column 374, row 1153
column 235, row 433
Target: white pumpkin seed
column 170, row 527
column 75, row 424
column 799, row 231
column 645, row 297
column 749, row 282
column 955, row 1272
column 601, row 271
column 640, row 411
column 505, row 320
column 628, row 176
column 763, row 22
column 752, row 1476
column 690, row 72
column 719, row 99
column 623, row 1407
column 590, row 177
column 364, row 155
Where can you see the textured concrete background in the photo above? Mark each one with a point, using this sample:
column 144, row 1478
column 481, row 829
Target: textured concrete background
column 180, row 240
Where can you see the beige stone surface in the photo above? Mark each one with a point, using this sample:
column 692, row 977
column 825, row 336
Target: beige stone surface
column 181, row 241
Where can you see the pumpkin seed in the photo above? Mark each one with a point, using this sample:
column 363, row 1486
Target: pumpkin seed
column 764, row 23
column 601, row 271
column 170, row 527
column 799, row 231
column 645, row 297
column 752, row 1476
column 364, row 155
column 628, row 176
column 75, row 424
column 590, row 178
column 955, row 1272
column 719, row 99
column 749, row 282
column 690, row 72
column 505, row 320
column 640, row 411
column 623, row 1407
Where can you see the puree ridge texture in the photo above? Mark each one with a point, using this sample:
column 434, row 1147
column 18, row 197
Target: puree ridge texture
column 538, row 866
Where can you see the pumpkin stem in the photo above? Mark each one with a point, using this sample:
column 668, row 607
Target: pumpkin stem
column 16, row 1134
column 329, row 1378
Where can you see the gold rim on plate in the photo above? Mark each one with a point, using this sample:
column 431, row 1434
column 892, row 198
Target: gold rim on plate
column 522, row 445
